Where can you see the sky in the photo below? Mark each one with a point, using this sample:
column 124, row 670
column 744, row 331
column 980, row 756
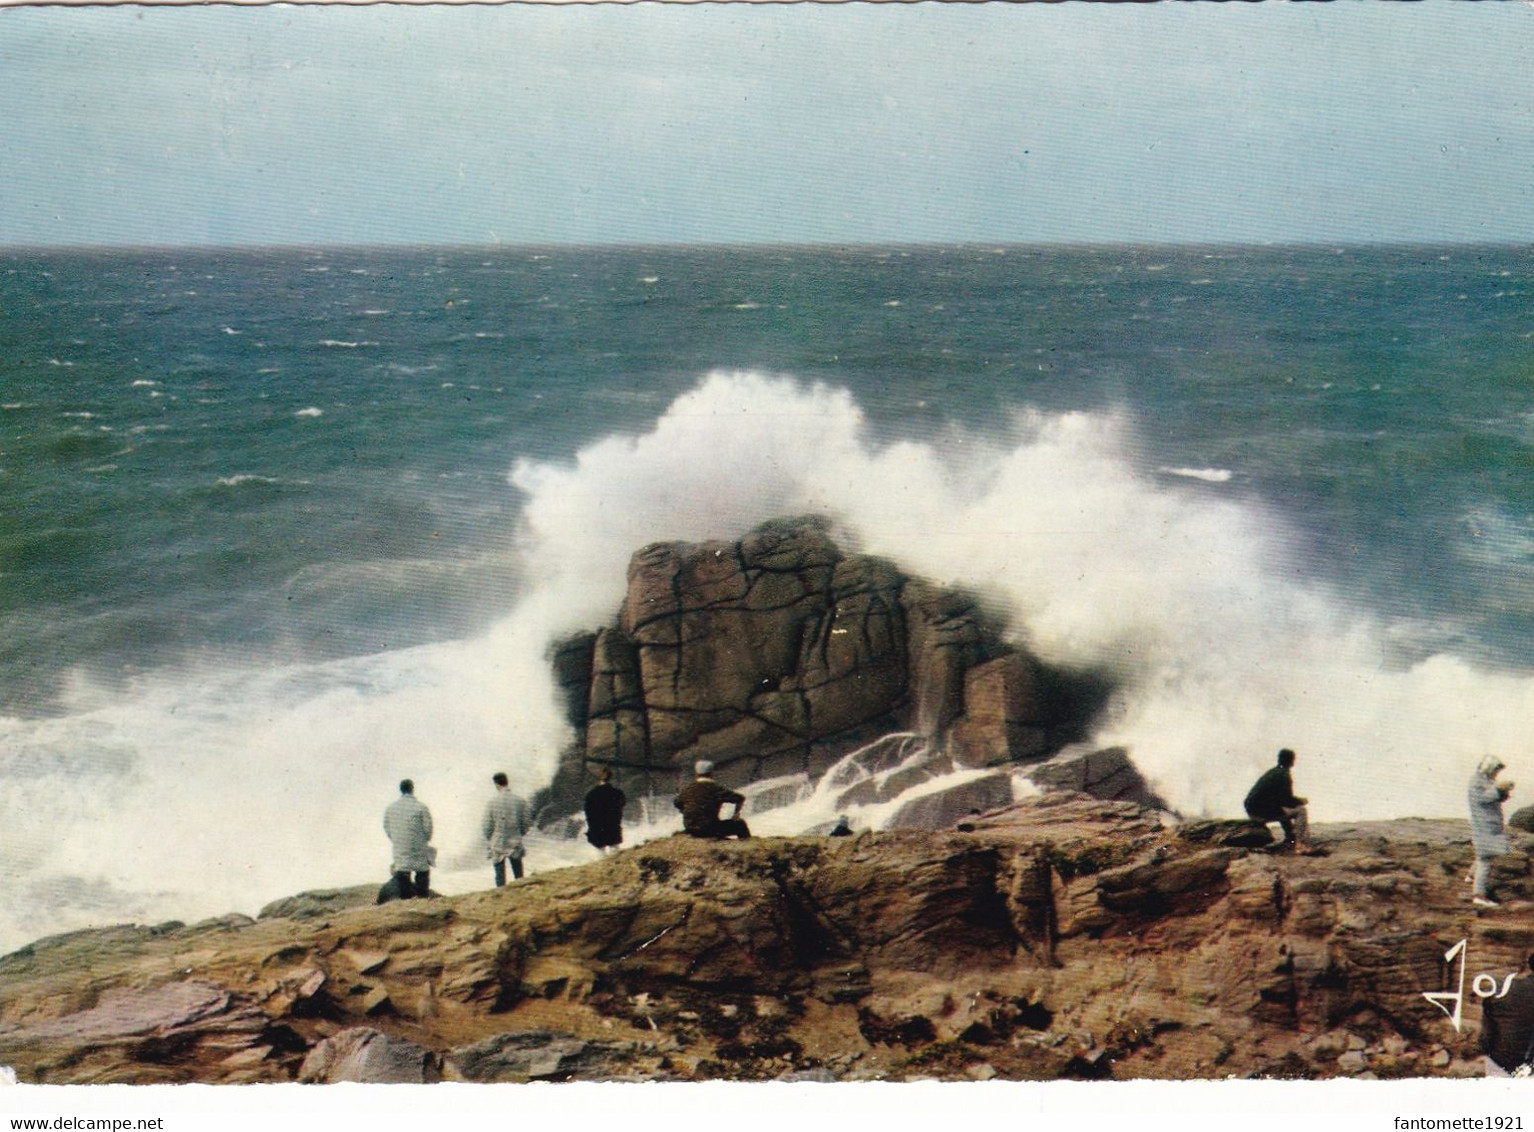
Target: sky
column 1360, row 121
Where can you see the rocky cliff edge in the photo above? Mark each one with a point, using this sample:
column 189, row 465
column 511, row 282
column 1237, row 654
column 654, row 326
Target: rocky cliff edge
column 1060, row 937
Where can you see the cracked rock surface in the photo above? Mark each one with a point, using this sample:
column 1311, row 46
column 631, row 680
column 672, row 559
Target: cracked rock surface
column 1061, row 937
column 779, row 653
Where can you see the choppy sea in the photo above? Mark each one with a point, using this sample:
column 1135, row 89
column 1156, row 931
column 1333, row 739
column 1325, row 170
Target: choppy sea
column 282, row 527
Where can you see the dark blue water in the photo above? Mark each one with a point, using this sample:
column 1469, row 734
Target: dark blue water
column 304, row 453
column 282, row 527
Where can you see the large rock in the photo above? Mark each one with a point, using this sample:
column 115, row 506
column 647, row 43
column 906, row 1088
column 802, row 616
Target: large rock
column 128, row 1034
column 778, row 653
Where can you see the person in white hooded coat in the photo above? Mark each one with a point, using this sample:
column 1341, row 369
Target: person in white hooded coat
column 1487, row 831
column 504, row 827
column 407, row 821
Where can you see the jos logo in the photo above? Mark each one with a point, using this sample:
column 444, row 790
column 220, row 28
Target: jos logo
column 1484, row 986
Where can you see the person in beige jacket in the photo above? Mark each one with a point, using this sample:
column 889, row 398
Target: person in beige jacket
column 407, row 822
column 504, row 827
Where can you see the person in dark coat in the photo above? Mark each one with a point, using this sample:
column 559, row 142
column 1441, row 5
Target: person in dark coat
column 1507, row 1026
column 700, row 801
column 604, row 813
column 1272, row 798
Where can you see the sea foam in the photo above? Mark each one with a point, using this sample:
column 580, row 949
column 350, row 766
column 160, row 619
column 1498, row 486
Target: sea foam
column 1197, row 607
column 217, row 787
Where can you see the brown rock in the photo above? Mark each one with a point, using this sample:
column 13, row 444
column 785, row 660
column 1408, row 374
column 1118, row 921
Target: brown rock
column 540, row 1056
column 1059, row 936
column 948, row 807
column 779, row 654
column 376, row 1002
column 1004, row 715
column 368, row 1057
column 1232, row 834
column 1353, row 1061
column 1106, row 773
column 364, row 962
column 320, row 902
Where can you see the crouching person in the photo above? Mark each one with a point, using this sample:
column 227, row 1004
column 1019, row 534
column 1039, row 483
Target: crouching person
column 700, row 801
column 1272, row 798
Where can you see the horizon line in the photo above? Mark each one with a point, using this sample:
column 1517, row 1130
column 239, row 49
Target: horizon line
column 754, row 245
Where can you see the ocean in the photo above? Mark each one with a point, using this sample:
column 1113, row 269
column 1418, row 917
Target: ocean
column 282, row 527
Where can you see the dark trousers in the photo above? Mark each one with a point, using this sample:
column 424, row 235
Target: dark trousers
column 421, row 887
column 724, row 827
column 1292, row 820
column 500, row 870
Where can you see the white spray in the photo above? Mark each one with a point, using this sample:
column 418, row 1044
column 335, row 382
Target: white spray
column 190, row 795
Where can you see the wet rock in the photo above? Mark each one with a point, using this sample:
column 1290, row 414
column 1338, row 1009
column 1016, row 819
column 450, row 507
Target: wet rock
column 1006, row 715
column 1106, row 773
column 779, row 653
column 945, row 808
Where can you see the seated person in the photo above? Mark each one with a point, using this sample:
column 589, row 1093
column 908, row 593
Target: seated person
column 1507, row 1026
column 699, row 802
column 1272, row 798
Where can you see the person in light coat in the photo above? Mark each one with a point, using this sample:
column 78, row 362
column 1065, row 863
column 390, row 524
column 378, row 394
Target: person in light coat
column 407, row 821
column 1487, row 831
column 504, row 827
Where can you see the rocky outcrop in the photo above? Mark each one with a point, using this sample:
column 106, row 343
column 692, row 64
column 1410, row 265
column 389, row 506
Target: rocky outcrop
column 778, row 654
column 1057, row 937
column 147, row 1027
